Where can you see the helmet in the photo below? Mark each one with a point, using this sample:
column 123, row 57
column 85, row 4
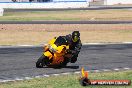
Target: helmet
column 75, row 36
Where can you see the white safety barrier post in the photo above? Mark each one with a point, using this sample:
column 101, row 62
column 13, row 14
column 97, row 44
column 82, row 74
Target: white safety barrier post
column 1, row 11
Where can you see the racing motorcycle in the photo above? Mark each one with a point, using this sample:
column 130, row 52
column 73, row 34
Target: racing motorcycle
column 55, row 53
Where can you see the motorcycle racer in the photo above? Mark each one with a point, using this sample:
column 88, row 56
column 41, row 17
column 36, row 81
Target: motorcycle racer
column 74, row 45
column 60, row 51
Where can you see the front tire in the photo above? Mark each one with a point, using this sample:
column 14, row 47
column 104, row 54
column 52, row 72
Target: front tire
column 40, row 62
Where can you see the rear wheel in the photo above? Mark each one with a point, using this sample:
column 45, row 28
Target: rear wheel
column 64, row 63
column 40, row 62
column 73, row 60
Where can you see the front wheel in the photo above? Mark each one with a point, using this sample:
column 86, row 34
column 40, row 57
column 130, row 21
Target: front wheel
column 40, row 62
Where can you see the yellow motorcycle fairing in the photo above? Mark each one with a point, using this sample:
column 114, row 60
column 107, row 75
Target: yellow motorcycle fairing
column 57, row 59
column 48, row 54
column 51, row 42
column 57, row 55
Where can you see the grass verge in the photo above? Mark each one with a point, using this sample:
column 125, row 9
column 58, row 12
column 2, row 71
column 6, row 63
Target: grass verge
column 68, row 81
column 68, row 15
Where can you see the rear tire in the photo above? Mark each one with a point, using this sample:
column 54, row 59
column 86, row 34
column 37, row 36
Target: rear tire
column 40, row 62
column 63, row 64
column 73, row 60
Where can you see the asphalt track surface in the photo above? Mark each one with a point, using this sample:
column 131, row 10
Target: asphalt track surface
column 18, row 62
column 65, row 22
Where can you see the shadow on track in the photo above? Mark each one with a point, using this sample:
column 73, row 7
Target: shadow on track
column 57, row 67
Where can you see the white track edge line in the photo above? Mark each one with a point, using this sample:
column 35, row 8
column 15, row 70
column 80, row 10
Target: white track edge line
column 66, row 73
column 83, row 44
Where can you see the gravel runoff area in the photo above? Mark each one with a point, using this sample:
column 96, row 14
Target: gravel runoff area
column 36, row 34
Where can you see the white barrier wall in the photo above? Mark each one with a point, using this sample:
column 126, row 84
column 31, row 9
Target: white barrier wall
column 45, row 5
column 112, row 2
column 5, row 0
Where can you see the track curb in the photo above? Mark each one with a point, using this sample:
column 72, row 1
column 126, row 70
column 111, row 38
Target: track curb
column 66, row 73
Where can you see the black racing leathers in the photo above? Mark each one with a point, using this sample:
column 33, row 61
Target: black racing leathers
column 74, row 47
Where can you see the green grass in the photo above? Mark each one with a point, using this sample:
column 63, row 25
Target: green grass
column 30, row 16
column 68, row 15
column 68, row 81
column 39, row 15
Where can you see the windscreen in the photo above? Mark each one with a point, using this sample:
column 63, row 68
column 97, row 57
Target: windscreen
column 60, row 41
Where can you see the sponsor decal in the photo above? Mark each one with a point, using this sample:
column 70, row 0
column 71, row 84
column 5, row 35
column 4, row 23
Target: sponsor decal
column 85, row 81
